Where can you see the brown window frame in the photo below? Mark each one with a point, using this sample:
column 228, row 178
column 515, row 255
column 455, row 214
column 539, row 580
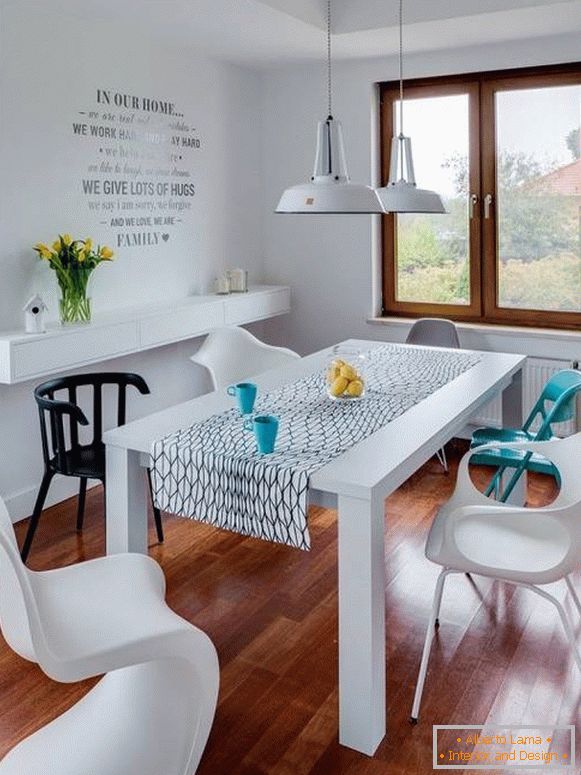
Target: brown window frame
column 481, row 88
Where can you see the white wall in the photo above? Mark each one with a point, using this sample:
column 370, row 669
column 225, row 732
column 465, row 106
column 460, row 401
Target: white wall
column 49, row 69
column 327, row 260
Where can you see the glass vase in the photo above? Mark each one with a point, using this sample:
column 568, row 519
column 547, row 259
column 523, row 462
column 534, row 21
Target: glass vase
column 346, row 378
column 74, row 306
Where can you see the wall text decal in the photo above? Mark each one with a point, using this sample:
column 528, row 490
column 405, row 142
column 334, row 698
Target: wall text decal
column 139, row 180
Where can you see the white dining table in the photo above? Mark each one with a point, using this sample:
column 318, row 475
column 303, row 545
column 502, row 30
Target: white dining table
column 356, row 483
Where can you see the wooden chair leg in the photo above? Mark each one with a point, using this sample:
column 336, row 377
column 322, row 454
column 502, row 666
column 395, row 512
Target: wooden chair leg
column 156, row 511
column 38, row 506
column 81, row 505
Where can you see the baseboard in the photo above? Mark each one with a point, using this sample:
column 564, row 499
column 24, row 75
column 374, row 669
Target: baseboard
column 20, row 504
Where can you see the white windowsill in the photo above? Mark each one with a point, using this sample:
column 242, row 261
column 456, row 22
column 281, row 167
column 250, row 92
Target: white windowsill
column 488, row 328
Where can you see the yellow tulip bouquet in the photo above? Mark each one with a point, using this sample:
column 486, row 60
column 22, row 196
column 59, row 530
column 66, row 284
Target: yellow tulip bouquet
column 73, row 262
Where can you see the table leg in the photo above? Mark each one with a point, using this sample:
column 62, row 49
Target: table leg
column 126, row 502
column 362, row 692
column 512, row 417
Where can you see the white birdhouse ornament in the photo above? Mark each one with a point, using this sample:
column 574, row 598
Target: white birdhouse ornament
column 34, row 310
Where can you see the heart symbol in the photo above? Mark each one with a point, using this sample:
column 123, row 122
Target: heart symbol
column 165, row 237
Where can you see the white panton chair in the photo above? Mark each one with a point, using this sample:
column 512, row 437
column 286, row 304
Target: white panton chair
column 152, row 712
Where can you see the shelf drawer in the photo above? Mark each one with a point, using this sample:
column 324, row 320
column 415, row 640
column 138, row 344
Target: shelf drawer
column 183, row 323
column 43, row 356
column 247, row 308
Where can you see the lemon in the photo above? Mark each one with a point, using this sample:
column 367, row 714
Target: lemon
column 332, row 374
column 349, row 372
column 355, row 388
column 338, row 387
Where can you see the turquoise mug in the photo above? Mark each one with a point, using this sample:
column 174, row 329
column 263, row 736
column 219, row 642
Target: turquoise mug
column 245, row 393
column 265, row 428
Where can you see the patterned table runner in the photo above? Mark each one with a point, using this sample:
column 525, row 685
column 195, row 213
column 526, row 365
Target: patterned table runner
column 212, row 472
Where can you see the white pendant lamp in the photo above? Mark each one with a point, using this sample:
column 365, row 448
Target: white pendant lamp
column 329, row 190
column 401, row 194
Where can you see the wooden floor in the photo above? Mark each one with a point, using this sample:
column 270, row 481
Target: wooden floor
column 272, row 613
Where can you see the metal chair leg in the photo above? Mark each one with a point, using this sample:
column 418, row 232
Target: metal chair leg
column 81, row 504
column 156, row 511
column 38, row 506
column 443, row 460
column 568, row 631
column 428, row 644
column 574, row 594
column 493, row 485
column 563, row 616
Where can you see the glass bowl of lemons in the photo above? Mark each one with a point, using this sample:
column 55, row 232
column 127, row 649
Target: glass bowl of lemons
column 346, row 374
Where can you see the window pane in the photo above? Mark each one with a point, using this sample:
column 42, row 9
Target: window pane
column 433, row 263
column 538, row 169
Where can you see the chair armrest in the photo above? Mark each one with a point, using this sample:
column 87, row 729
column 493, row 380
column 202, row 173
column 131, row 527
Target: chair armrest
column 540, row 447
column 466, row 493
column 63, row 407
column 136, row 381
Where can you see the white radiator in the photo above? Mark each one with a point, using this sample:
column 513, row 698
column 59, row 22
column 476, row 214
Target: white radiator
column 536, row 373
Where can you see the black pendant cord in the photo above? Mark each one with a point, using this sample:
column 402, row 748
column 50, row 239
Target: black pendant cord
column 329, row 90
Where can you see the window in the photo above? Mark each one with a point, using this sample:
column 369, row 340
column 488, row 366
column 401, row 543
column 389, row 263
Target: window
column 504, row 151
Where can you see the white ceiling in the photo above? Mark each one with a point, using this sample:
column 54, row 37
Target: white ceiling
column 349, row 16
column 260, row 33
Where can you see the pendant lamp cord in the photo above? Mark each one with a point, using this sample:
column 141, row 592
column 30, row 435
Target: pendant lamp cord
column 329, row 60
column 401, row 135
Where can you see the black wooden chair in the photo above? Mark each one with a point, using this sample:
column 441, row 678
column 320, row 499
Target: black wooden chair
column 60, row 418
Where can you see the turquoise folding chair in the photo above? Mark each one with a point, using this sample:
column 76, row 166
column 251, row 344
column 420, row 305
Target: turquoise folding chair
column 555, row 404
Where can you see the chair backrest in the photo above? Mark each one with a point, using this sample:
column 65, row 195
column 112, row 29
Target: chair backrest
column 434, row 332
column 233, row 354
column 555, row 404
column 16, row 594
column 565, row 509
column 57, row 410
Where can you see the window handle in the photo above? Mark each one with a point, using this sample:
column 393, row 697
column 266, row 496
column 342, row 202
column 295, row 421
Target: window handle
column 488, row 199
column 472, row 205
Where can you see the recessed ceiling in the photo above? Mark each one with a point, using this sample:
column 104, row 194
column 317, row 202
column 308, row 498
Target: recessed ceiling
column 349, row 16
column 262, row 33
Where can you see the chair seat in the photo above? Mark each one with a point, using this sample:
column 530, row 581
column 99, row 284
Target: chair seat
column 504, row 546
column 100, row 607
column 85, row 461
column 511, row 458
column 135, row 721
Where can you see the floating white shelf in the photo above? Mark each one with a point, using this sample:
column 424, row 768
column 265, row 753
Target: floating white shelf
column 30, row 356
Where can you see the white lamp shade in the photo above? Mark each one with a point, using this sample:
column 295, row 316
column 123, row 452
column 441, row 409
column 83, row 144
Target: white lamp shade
column 402, row 195
column 329, row 197
column 330, row 190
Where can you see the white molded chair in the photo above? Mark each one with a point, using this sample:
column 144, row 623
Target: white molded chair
column 435, row 332
column 152, row 712
column 232, row 354
column 523, row 546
